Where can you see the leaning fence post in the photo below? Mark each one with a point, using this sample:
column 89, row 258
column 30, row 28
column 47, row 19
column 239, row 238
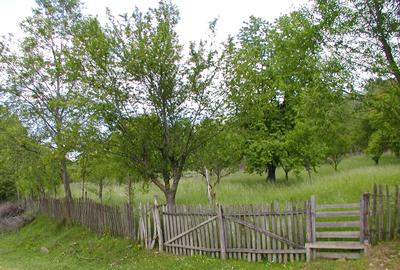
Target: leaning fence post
column 221, row 229
column 157, row 220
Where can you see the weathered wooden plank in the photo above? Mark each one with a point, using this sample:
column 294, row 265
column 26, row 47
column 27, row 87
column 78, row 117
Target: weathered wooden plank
column 339, row 255
column 289, row 207
column 339, row 214
column 268, row 251
column 253, row 233
column 233, row 234
column 374, row 215
column 295, row 221
column 268, row 239
column 273, row 239
column 239, row 233
column 396, row 212
column 220, row 219
column 380, row 213
column 227, row 231
column 302, row 224
column 313, row 220
column 388, row 214
column 202, row 249
column 336, row 245
column 262, row 225
column 211, row 232
column 338, row 224
column 247, row 233
column 184, row 229
column 366, row 225
column 340, row 234
column 165, row 226
column 202, row 229
column 278, row 231
column 284, row 235
column 338, row 206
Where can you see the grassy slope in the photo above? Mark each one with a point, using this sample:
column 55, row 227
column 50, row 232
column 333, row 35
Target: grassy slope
column 71, row 247
column 356, row 174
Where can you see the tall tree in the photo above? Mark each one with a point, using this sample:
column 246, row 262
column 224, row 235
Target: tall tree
column 36, row 77
column 148, row 92
column 267, row 69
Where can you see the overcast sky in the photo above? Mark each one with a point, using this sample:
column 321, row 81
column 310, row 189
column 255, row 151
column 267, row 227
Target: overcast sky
column 195, row 14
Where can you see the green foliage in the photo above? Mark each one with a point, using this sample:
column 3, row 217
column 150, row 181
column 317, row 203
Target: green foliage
column 8, row 190
column 36, row 81
column 282, row 86
column 146, row 92
column 362, row 34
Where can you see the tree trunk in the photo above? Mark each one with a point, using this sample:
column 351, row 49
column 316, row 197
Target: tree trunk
column 210, row 192
column 101, row 190
column 65, row 178
column 271, row 172
column 287, row 175
column 170, row 197
column 376, row 159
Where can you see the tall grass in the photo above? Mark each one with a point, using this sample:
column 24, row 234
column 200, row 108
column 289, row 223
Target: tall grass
column 356, row 174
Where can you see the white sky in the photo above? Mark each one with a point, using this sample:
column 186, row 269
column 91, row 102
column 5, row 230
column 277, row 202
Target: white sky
column 195, row 14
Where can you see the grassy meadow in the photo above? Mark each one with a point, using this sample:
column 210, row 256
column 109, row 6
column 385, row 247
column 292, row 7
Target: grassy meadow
column 355, row 175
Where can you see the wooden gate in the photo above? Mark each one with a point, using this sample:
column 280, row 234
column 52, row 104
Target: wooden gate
column 241, row 232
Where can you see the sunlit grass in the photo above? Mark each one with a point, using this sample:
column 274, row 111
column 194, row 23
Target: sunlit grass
column 356, row 175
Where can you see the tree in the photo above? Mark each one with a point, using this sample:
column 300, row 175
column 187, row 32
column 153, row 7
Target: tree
column 26, row 167
column 219, row 157
column 381, row 112
column 269, row 71
column 36, row 78
column 363, row 33
column 147, row 92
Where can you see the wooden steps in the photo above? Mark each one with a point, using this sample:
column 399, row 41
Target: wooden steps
column 332, row 225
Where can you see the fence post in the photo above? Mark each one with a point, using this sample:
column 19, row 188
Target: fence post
column 365, row 234
column 313, row 220
column 221, row 230
column 157, row 220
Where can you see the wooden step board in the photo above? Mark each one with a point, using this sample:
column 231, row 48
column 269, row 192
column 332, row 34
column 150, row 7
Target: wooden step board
column 333, row 225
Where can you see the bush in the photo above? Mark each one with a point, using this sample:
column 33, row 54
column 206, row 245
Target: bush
column 8, row 189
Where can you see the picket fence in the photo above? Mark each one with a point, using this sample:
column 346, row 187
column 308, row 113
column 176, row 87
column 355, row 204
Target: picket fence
column 251, row 232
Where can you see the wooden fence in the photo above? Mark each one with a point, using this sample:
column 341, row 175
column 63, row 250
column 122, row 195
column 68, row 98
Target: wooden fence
column 253, row 232
column 127, row 221
column 385, row 213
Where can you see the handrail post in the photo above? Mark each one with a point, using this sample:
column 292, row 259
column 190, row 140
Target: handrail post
column 365, row 209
